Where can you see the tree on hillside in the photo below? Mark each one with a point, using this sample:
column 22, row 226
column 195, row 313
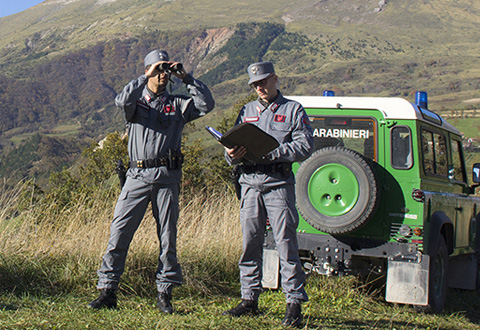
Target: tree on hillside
column 101, row 159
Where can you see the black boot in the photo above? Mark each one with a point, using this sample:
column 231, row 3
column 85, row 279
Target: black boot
column 293, row 315
column 107, row 299
column 246, row 307
column 164, row 303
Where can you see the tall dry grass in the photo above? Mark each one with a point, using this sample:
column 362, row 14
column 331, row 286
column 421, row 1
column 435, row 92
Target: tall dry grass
column 51, row 249
column 52, row 252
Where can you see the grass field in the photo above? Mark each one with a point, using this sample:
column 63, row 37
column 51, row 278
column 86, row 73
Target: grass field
column 335, row 303
column 49, row 256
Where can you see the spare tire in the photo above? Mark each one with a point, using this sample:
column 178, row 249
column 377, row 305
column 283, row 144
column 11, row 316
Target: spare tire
column 337, row 190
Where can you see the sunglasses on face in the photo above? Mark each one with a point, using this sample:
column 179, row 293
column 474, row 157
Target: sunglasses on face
column 162, row 71
column 260, row 83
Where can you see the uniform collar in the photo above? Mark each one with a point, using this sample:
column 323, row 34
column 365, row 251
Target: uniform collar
column 151, row 96
column 273, row 106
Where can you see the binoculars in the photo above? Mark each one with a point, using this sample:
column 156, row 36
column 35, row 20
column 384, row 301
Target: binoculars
column 166, row 67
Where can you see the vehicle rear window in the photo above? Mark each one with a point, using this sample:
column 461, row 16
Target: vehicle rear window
column 358, row 134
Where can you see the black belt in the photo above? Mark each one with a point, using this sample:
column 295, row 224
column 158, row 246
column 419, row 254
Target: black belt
column 281, row 168
column 149, row 163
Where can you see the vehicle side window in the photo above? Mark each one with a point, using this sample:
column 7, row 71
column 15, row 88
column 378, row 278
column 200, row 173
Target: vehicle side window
column 458, row 170
column 441, row 162
column 434, row 154
column 401, row 142
column 427, row 151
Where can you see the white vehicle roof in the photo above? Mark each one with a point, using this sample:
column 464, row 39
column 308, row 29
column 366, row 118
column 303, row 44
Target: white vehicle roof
column 392, row 107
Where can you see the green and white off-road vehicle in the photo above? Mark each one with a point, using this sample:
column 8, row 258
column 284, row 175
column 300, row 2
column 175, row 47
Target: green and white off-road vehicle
column 386, row 193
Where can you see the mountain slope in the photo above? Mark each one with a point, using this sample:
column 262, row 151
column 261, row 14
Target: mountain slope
column 63, row 61
column 55, row 25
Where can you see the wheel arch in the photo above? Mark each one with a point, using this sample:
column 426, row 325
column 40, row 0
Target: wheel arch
column 441, row 224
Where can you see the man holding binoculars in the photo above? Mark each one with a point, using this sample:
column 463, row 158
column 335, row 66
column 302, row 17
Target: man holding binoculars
column 171, row 67
column 156, row 120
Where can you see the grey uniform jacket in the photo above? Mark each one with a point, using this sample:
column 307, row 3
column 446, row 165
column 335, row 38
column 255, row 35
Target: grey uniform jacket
column 156, row 123
column 287, row 121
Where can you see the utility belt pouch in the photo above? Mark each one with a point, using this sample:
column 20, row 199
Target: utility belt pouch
column 174, row 159
column 122, row 172
column 285, row 169
column 235, row 176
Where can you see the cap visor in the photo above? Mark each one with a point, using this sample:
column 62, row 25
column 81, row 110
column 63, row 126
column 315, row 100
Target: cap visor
column 258, row 78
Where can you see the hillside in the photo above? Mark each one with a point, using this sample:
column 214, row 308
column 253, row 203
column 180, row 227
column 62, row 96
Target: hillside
column 63, row 61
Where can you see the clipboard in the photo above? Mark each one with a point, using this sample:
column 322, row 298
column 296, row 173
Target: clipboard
column 257, row 142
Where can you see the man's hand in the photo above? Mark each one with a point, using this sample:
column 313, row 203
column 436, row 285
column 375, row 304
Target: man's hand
column 154, row 70
column 236, row 152
column 180, row 74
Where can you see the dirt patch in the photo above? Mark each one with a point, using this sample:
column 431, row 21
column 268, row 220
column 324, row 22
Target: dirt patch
column 472, row 101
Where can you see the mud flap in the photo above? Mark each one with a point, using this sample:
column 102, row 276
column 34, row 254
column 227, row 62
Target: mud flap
column 407, row 281
column 271, row 269
column 462, row 272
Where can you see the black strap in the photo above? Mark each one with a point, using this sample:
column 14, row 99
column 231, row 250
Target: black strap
column 281, row 168
column 173, row 161
column 149, row 163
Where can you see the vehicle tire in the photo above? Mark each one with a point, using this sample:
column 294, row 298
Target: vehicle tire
column 337, row 190
column 477, row 249
column 477, row 286
column 437, row 279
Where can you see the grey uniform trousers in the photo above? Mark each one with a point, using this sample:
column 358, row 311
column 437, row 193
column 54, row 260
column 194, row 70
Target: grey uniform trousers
column 129, row 212
column 278, row 205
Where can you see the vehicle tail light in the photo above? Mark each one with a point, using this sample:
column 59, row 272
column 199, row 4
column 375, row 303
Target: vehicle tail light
column 417, row 231
column 418, row 195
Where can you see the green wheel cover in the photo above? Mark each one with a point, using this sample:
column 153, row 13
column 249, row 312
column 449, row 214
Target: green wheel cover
column 333, row 189
column 337, row 190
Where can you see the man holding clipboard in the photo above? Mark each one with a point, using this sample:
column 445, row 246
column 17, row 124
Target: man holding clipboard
column 267, row 191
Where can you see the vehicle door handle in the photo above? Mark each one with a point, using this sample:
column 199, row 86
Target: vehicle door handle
column 459, row 208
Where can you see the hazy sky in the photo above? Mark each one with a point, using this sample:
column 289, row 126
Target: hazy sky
column 9, row 7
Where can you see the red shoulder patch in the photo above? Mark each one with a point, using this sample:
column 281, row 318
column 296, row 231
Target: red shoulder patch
column 169, row 110
column 279, row 118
